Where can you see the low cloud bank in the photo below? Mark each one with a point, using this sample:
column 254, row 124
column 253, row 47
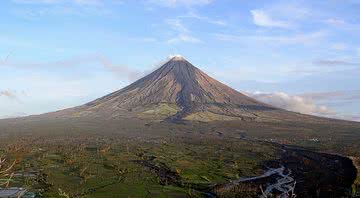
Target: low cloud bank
column 307, row 103
column 293, row 103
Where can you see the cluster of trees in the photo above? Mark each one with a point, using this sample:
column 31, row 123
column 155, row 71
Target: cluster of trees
column 5, row 172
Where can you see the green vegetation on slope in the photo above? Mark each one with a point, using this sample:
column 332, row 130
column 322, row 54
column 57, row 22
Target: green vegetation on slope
column 160, row 111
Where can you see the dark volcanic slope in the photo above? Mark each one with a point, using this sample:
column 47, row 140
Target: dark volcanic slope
column 178, row 82
column 178, row 90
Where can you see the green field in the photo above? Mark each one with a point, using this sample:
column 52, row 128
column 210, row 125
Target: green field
column 110, row 158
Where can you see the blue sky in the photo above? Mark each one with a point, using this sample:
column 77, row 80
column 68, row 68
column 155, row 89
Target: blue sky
column 300, row 55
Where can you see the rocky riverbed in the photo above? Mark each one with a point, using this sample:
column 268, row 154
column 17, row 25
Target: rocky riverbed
column 298, row 172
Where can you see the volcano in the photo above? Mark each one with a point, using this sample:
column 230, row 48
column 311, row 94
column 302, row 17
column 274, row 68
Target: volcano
column 178, row 128
column 179, row 91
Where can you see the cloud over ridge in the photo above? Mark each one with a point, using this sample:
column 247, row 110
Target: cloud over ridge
column 293, row 103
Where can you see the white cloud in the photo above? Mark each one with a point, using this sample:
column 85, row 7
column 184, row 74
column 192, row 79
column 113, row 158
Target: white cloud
column 338, row 100
column 13, row 115
column 54, row 2
column 37, row 1
column 88, row 2
column 334, row 63
column 288, row 15
column 333, row 95
column 8, row 94
column 175, row 3
column 45, row 8
column 120, row 71
column 307, row 103
column 4, row 60
column 143, row 39
column 334, row 21
column 263, row 19
column 340, row 23
column 183, row 34
column 301, row 38
column 183, row 38
column 339, row 46
column 293, row 103
column 204, row 18
column 177, row 25
column 291, row 11
column 230, row 37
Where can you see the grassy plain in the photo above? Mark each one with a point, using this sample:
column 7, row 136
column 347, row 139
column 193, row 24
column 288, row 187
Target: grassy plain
column 79, row 158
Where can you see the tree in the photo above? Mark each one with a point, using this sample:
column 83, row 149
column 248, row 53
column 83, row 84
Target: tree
column 5, row 172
